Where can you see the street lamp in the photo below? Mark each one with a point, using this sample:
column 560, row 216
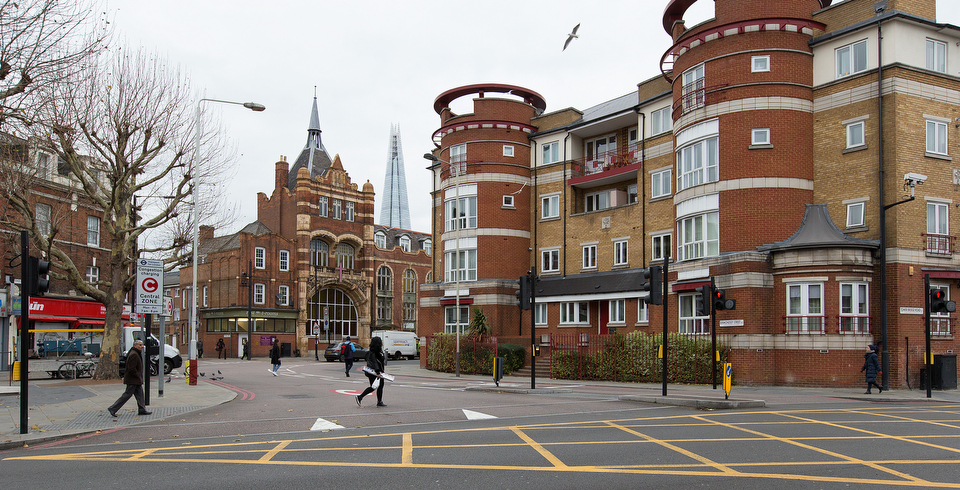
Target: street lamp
column 253, row 106
column 456, row 226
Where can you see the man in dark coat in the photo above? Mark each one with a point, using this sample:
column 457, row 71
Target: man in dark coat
column 133, row 378
column 871, row 367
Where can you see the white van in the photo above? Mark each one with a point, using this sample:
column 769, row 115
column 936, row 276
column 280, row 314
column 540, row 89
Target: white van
column 398, row 344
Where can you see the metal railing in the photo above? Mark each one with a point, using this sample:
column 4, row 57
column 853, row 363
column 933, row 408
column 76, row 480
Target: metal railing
column 937, row 244
column 605, row 161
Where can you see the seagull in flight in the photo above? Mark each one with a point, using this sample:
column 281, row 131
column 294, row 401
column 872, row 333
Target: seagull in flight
column 570, row 37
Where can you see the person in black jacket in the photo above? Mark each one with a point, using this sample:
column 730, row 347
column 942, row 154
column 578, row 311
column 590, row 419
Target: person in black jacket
column 133, row 378
column 872, row 367
column 275, row 357
column 375, row 362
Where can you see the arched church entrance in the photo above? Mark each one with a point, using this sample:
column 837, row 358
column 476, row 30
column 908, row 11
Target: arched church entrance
column 340, row 312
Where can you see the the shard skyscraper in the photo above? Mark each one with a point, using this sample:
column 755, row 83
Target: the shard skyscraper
column 394, row 210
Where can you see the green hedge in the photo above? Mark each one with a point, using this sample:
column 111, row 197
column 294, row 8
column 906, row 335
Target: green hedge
column 633, row 358
column 476, row 357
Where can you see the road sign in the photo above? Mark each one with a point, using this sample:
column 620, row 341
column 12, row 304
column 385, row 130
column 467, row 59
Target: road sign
column 150, row 286
column 167, row 306
column 326, row 319
column 316, row 327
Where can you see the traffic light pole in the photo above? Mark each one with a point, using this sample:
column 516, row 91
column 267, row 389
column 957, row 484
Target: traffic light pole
column 531, row 282
column 664, row 282
column 927, row 361
column 713, row 330
column 25, row 288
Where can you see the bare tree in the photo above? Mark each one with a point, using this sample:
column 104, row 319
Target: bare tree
column 125, row 129
column 42, row 42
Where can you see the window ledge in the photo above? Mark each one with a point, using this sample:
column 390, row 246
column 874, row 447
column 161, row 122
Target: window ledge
column 508, row 207
column 551, row 218
column 642, row 324
column 621, row 266
column 760, row 147
column 588, row 269
column 938, row 156
column 854, row 149
column 856, row 229
column 549, row 273
column 948, row 336
column 661, row 198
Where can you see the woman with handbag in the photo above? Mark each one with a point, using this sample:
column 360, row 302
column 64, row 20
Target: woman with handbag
column 374, row 362
column 275, row 357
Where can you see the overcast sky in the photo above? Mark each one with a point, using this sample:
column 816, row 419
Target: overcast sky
column 375, row 63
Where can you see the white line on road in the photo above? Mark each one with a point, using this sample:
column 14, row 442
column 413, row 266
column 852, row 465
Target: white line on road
column 322, row 424
column 471, row 415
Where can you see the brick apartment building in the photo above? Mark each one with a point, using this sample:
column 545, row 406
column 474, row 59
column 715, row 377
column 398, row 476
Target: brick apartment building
column 319, row 262
column 771, row 154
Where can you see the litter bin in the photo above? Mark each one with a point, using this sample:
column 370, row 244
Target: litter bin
column 284, row 349
column 945, row 371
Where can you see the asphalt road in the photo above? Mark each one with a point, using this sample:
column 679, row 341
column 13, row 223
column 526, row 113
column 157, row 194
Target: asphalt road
column 303, row 429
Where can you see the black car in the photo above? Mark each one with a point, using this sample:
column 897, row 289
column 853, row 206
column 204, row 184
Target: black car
column 332, row 352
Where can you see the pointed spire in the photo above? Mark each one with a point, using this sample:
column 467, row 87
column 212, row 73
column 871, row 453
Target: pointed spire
column 314, row 156
column 395, row 212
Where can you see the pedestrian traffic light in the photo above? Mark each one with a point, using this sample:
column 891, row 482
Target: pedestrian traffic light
column 38, row 270
column 523, row 294
column 703, row 307
column 720, row 302
column 939, row 303
column 652, row 283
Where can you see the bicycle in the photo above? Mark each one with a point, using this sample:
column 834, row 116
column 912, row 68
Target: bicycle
column 76, row 369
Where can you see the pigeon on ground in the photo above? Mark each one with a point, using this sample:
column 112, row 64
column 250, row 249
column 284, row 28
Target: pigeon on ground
column 201, row 375
column 218, row 371
column 573, row 34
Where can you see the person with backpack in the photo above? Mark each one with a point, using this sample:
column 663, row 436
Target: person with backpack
column 347, row 348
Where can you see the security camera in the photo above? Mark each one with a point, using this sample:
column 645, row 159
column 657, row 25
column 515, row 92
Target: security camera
column 912, row 179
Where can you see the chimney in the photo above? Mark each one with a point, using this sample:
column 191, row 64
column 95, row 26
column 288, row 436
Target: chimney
column 282, row 173
column 206, row 233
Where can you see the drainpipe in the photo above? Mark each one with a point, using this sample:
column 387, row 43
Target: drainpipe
column 566, row 163
column 643, row 182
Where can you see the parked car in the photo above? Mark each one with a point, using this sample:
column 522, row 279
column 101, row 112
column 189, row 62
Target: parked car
column 332, row 352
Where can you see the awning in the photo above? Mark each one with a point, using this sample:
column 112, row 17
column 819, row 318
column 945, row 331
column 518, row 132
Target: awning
column 90, row 322
column 54, row 319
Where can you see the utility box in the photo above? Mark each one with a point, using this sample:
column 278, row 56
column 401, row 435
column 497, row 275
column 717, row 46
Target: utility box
column 284, row 349
column 944, row 372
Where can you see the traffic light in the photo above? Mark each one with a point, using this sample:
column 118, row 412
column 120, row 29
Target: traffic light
column 523, row 295
column 939, row 303
column 720, row 302
column 703, row 308
column 652, row 283
column 38, row 270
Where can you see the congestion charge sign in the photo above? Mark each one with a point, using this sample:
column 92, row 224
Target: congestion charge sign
column 149, row 289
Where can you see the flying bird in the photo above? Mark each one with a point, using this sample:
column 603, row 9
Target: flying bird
column 573, row 34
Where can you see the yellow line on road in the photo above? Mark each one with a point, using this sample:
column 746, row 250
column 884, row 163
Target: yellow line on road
column 555, row 461
column 407, row 454
column 672, row 447
column 273, row 452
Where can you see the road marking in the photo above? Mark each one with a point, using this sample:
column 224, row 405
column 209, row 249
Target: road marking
column 348, row 392
column 555, row 461
column 323, row 424
column 471, row 415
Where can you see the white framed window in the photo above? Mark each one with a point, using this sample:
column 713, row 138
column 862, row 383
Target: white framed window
column 409, row 281
column 620, row 253
column 618, row 311
column 458, row 159
column 93, row 274
column 660, row 183
column 345, row 256
column 550, row 206
column 93, row 231
column 760, row 63
column 854, row 308
column 699, row 236
column 690, row 322
column 760, row 136
column 550, row 260
column 466, row 210
column 805, row 308
column 384, row 280
column 283, row 296
column 205, row 290
column 44, row 217
column 661, row 244
column 322, row 206
column 259, row 258
column 632, row 195
column 551, row 152
column 936, row 137
column 335, row 207
column 590, row 256
column 938, row 228
column 508, row 201
column 598, row 151
column 936, row 55
column 183, row 299
column 348, row 214
column 404, row 243
column 852, row 59
column 540, row 314
column 451, row 321
column 574, row 313
column 697, row 163
column 596, row 201
column 643, row 312
column 940, row 322
column 380, row 239
column 466, row 266
column 660, row 121
column 508, row 150
column 633, row 135
column 693, row 88
column 427, row 246
column 855, row 134
column 855, row 214
column 284, row 260
column 259, row 293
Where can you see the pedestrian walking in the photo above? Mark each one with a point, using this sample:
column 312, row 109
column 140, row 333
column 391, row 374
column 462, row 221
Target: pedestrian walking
column 221, row 349
column 275, row 357
column 374, row 362
column 199, row 349
column 245, row 350
column 871, row 367
column 133, row 378
column 348, row 349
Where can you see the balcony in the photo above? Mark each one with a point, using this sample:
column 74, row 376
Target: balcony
column 607, row 167
column 938, row 245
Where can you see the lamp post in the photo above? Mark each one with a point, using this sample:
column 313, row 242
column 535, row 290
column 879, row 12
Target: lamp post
column 253, row 106
column 456, row 227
